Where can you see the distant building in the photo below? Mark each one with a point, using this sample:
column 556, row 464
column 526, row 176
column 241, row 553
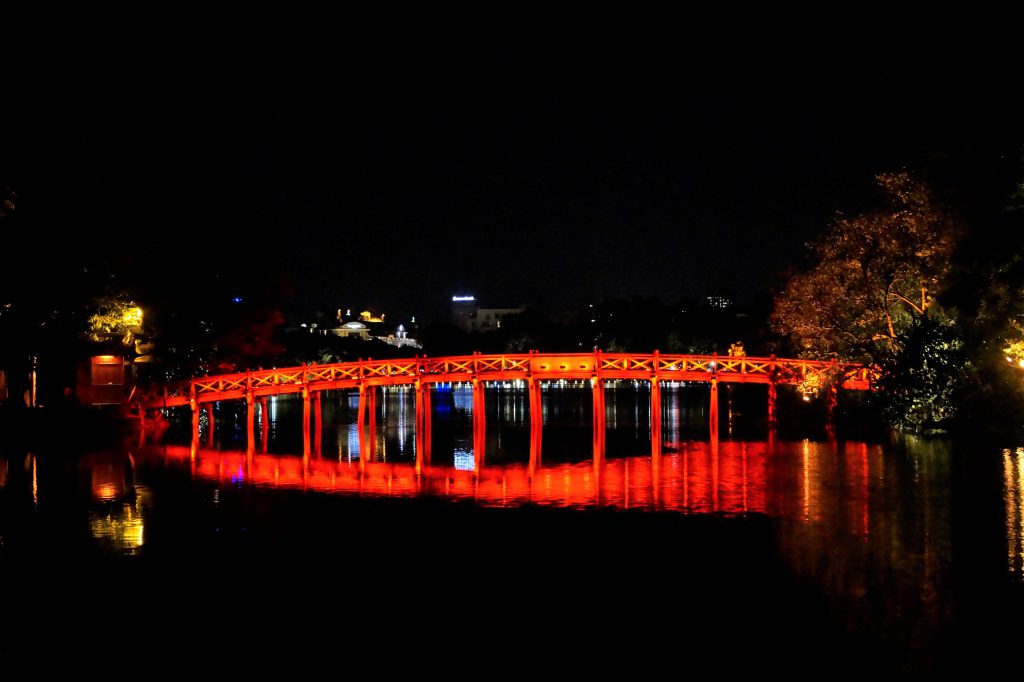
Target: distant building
column 112, row 356
column 349, row 329
column 105, row 379
column 718, row 302
column 468, row 316
column 368, row 327
column 400, row 339
column 367, row 316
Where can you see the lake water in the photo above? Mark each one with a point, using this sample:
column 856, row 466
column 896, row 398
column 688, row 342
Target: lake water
column 911, row 549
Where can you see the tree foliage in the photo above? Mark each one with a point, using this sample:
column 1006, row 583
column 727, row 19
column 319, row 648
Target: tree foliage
column 114, row 317
column 875, row 277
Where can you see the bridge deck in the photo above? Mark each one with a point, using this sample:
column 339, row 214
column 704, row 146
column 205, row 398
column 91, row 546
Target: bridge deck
column 543, row 367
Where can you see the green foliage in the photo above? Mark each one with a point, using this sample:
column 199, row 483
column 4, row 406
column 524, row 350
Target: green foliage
column 921, row 383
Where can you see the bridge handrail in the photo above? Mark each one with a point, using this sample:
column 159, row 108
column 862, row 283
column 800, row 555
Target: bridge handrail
column 597, row 363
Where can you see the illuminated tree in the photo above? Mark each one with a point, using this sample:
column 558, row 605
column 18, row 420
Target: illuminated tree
column 876, row 276
column 115, row 317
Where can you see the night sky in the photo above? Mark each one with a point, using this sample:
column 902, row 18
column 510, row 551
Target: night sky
column 385, row 166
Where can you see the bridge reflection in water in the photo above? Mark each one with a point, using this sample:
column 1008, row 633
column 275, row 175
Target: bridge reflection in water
column 728, row 477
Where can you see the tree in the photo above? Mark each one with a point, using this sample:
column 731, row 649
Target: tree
column 114, row 317
column 990, row 300
column 875, row 277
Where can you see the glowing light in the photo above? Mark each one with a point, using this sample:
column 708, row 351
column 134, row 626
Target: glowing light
column 463, row 299
column 464, row 461
column 237, row 299
column 106, row 492
column 123, row 528
column 133, row 317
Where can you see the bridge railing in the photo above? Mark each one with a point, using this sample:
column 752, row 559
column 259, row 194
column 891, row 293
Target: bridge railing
column 546, row 365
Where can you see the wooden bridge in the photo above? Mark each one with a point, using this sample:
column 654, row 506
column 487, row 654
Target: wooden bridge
column 532, row 369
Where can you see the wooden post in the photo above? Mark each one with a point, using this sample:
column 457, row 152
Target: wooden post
column 714, row 470
column 713, row 412
column 250, row 419
column 479, row 424
column 535, row 450
column 193, row 404
column 772, row 419
column 318, row 424
column 599, row 418
column 361, row 409
column 305, row 420
column 264, row 424
column 599, row 431
column 536, row 423
column 831, row 398
column 655, row 416
column 427, row 423
column 209, row 425
column 419, row 422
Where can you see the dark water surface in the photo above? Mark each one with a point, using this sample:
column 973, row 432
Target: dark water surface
column 743, row 555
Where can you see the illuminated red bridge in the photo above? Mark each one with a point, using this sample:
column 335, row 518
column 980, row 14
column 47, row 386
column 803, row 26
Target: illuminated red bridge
column 532, row 369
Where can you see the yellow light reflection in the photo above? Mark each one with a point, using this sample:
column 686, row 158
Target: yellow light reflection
column 1013, row 485
column 806, row 480
column 35, row 482
column 121, row 527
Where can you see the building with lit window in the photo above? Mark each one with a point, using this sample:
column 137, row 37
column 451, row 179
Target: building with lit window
column 468, row 316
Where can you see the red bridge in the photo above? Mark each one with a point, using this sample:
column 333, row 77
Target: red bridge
column 532, row 369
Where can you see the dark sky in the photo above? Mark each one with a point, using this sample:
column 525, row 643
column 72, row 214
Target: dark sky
column 391, row 166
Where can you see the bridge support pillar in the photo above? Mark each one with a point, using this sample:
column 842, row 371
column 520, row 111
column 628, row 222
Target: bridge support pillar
column 305, row 421
column 479, row 425
column 361, row 413
column 599, row 418
column 714, row 471
column 831, row 398
column 193, row 404
column 209, row 425
column 536, row 424
column 318, row 423
column 428, row 420
column 423, row 435
column 772, row 419
column 250, row 420
column 371, row 420
column 713, row 411
column 655, row 416
column 264, row 424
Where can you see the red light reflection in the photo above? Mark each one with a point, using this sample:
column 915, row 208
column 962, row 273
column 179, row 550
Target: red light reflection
column 726, row 477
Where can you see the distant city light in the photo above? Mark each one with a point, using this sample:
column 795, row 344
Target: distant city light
column 461, row 299
column 464, row 460
column 236, row 299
